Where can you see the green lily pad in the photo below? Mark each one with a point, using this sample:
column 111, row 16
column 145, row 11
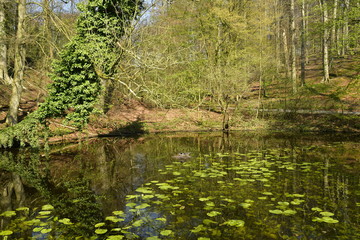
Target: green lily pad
column 100, row 231
column 6, row 233
column 165, row 232
column 213, row 213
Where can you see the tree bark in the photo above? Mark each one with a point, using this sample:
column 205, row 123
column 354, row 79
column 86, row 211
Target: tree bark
column 325, row 40
column 293, row 46
column 303, row 43
column 4, row 76
column 19, row 65
column 345, row 37
column 286, row 53
column 334, row 43
column 47, row 32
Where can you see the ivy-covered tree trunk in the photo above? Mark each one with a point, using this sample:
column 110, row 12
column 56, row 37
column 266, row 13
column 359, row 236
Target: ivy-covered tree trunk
column 4, row 76
column 17, row 80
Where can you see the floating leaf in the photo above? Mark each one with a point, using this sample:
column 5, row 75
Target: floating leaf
column 289, row 212
column 47, row 207
column 114, row 219
column 203, row 238
column 161, row 219
column 165, row 232
column 316, row 209
column 144, row 190
column 99, row 225
column 6, row 233
column 116, row 229
column 208, row 221
column 245, row 205
column 298, row 195
column 65, row 221
column 204, row 199
column 283, row 203
column 199, row 228
column 153, row 238
column 8, row 214
column 43, row 213
column 115, row 237
column 327, row 214
column 325, row 219
column 142, row 206
column 138, row 223
column 129, row 197
column 100, row 231
column 234, row 223
column 329, row 220
column 131, row 205
column 46, row 230
column 22, row 209
column 213, row 213
column 38, row 229
column 276, row 211
column 297, row 201
column 118, row 213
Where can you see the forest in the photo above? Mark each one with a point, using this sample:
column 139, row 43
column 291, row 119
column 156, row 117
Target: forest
column 268, row 64
column 179, row 119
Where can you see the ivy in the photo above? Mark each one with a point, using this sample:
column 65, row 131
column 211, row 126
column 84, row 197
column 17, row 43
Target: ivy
column 78, row 73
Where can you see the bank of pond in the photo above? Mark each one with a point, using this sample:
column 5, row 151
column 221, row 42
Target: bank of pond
column 242, row 185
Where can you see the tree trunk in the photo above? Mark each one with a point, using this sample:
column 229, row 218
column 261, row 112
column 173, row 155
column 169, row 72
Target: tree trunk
column 334, row 44
column 293, row 45
column 47, row 33
column 286, row 53
column 303, row 43
column 4, row 76
column 19, row 65
column 345, row 37
column 325, row 38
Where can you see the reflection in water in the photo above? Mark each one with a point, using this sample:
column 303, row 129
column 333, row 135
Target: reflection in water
column 87, row 182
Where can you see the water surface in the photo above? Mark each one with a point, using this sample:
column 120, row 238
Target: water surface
column 244, row 185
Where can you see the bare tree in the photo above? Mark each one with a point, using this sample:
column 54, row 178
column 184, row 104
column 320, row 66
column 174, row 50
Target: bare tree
column 19, row 65
column 4, row 76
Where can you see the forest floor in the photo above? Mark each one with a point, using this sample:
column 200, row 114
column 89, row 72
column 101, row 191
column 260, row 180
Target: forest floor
column 342, row 94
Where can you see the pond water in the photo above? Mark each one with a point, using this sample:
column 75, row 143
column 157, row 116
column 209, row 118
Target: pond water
column 245, row 185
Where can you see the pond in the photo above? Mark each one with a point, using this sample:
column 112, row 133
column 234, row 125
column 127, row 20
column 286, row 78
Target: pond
column 244, row 185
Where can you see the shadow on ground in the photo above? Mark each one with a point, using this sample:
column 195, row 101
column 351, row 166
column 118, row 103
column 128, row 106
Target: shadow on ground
column 131, row 129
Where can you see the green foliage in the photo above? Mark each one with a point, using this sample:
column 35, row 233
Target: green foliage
column 75, row 88
column 24, row 133
column 84, row 63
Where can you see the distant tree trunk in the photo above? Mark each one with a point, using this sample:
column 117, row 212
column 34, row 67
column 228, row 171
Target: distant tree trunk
column 277, row 36
column 286, row 53
column 19, row 65
column 4, row 76
column 345, row 37
column 334, row 45
column 325, row 40
column 303, row 43
column 293, row 45
column 47, row 32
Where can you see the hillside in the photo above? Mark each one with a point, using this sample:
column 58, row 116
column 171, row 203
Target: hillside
column 131, row 116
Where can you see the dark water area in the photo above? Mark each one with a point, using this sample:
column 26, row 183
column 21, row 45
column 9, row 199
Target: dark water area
column 244, row 185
